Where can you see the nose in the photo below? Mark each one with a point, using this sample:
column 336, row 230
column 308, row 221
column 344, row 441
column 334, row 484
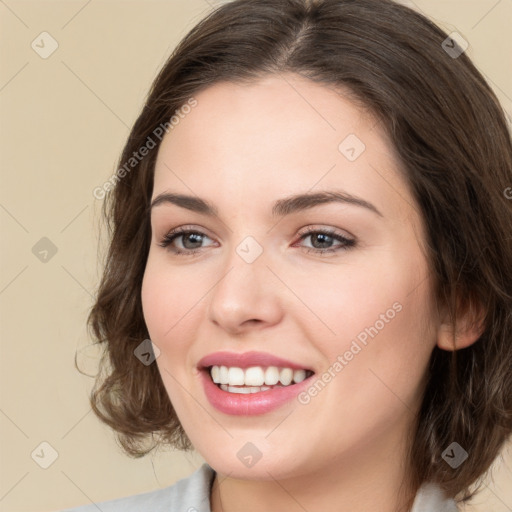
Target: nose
column 246, row 296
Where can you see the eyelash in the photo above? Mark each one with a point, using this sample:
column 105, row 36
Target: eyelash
column 167, row 240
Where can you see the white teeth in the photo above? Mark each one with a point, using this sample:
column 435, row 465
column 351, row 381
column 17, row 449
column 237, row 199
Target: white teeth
column 255, row 377
column 236, row 376
column 223, row 375
column 272, row 375
column 247, row 390
column 286, row 376
column 215, row 371
column 299, row 375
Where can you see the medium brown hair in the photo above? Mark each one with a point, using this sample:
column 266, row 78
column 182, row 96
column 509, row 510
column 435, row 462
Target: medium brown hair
column 449, row 134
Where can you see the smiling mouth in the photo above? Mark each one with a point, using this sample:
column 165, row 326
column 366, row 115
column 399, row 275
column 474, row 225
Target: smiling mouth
column 256, row 378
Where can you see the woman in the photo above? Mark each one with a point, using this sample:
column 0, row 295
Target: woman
column 311, row 224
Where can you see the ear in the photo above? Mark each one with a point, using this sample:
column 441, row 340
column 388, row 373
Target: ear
column 470, row 325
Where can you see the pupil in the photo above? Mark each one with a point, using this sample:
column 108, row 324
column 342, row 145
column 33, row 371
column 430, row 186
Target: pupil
column 329, row 238
column 190, row 235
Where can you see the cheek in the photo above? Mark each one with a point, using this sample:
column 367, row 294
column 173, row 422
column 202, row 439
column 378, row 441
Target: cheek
column 352, row 297
column 379, row 309
column 167, row 304
column 164, row 300
column 390, row 332
column 154, row 298
column 174, row 312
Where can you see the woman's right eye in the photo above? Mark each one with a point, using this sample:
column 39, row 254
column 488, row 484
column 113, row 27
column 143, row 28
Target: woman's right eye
column 187, row 237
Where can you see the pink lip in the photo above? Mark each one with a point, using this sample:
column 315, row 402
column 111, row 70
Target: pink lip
column 249, row 404
column 254, row 403
column 247, row 359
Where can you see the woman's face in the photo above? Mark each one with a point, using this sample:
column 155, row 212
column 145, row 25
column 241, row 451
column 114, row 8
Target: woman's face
column 359, row 315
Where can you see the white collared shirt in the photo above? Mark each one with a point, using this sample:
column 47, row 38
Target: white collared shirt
column 192, row 494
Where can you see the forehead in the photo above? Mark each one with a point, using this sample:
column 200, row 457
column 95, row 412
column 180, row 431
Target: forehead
column 243, row 143
column 273, row 115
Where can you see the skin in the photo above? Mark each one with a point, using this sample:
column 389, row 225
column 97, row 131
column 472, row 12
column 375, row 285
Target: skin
column 242, row 148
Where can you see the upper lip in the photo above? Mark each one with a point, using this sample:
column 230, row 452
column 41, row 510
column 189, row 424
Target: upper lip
column 247, row 359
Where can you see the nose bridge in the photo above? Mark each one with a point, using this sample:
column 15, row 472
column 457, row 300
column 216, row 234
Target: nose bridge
column 245, row 290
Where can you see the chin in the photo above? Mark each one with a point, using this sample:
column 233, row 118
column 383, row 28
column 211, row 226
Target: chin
column 246, row 464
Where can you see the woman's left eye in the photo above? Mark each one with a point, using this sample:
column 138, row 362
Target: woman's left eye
column 191, row 241
column 325, row 237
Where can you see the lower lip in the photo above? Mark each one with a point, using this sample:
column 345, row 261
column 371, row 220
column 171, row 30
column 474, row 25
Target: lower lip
column 250, row 404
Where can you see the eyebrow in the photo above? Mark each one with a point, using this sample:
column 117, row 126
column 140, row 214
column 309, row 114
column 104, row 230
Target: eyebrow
column 281, row 207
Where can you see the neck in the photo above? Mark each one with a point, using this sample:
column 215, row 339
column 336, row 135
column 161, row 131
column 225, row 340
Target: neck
column 378, row 481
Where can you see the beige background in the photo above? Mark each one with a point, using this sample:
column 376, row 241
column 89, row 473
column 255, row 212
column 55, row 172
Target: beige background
column 63, row 122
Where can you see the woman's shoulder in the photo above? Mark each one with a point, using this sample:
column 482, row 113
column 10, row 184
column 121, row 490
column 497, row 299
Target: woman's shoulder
column 190, row 494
